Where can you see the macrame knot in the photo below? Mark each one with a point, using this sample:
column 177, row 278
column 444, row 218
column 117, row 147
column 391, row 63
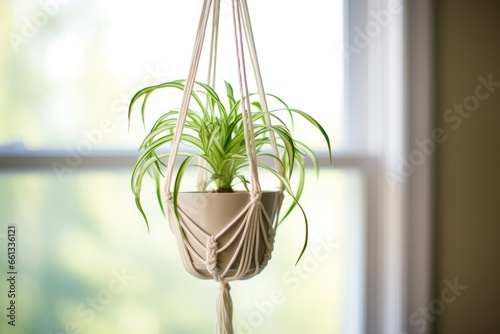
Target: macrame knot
column 254, row 196
column 224, row 286
column 167, row 197
column 211, row 260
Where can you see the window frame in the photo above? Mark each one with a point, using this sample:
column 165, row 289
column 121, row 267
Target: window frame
column 398, row 241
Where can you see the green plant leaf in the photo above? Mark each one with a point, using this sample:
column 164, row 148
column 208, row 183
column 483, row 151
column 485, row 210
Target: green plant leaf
column 177, row 183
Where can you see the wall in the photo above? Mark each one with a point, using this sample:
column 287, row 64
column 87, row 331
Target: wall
column 467, row 177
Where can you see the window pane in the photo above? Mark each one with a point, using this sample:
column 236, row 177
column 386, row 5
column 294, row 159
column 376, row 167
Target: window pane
column 72, row 67
column 83, row 251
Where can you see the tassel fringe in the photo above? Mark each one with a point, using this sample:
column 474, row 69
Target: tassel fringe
column 224, row 310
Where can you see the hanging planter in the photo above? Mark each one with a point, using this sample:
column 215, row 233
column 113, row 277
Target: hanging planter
column 217, row 217
column 225, row 230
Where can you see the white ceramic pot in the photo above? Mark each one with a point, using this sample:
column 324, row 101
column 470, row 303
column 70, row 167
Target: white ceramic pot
column 210, row 213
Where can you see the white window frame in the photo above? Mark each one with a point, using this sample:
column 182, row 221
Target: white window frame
column 393, row 76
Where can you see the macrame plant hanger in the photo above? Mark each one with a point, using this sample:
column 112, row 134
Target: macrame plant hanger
column 255, row 222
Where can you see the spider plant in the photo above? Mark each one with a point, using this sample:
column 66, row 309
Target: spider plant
column 213, row 140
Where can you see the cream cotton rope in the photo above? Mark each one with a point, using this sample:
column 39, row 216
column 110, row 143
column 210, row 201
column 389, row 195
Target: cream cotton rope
column 253, row 223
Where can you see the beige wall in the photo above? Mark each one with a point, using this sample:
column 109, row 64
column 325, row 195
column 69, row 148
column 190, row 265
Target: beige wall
column 467, row 179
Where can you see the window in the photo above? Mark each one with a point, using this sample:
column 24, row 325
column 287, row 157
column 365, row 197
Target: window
column 66, row 156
